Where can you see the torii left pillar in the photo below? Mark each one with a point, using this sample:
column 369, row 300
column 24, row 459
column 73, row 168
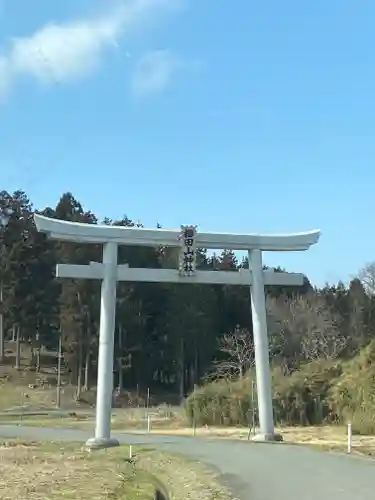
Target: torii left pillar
column 102, row 438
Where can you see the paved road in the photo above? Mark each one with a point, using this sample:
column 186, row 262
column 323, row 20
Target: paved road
column 252, row 471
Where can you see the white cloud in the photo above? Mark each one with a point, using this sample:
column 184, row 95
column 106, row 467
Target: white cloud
column 5, row 77
column 153, row 72
column 70, row 51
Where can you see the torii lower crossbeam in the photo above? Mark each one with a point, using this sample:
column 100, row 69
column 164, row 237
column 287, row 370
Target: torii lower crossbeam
column 96, row 270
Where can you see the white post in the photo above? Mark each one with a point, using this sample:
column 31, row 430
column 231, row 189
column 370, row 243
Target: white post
column 102, row 437
column 263, row 375
column 149, row 423
column 350, row 437
column 58, row 384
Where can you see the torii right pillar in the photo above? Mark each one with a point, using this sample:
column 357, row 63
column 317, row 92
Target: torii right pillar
column 261, row 347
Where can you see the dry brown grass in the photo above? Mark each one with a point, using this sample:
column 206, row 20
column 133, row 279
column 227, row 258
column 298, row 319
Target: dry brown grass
column 328, row 434
column 54, row 471
column 332, row 437
column 15, row 384
column 127, row 420
column 33, row 471
column 12, row 395
column 40, row 396
column 162, row 417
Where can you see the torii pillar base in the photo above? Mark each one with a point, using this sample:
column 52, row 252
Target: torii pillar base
column 268, row 438
column 101, row 443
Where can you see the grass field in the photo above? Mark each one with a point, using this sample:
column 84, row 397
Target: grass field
column 37, row 471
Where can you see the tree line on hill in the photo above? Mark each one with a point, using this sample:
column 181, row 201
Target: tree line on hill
column 168, row 337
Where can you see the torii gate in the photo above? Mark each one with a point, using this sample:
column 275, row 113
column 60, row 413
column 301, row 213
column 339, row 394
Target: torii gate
column 188, row 240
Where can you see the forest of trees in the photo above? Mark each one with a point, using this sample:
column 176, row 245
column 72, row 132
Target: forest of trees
column 168, row 337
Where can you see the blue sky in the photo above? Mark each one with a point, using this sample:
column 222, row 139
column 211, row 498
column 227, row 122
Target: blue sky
column 237, row 116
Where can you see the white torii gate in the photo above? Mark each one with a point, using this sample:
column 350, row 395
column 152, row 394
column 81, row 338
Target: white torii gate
column 109, row 272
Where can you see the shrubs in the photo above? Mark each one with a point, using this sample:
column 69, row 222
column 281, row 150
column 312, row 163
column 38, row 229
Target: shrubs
column 301, row 397
column 322, row 391
column 353, row 396
column 221, row 402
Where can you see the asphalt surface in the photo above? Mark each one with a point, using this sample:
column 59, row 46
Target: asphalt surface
column 251, row 471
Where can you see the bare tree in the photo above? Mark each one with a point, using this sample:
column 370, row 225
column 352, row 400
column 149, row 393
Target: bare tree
column 367, row 277
column 308, row 328
column 238, row 349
